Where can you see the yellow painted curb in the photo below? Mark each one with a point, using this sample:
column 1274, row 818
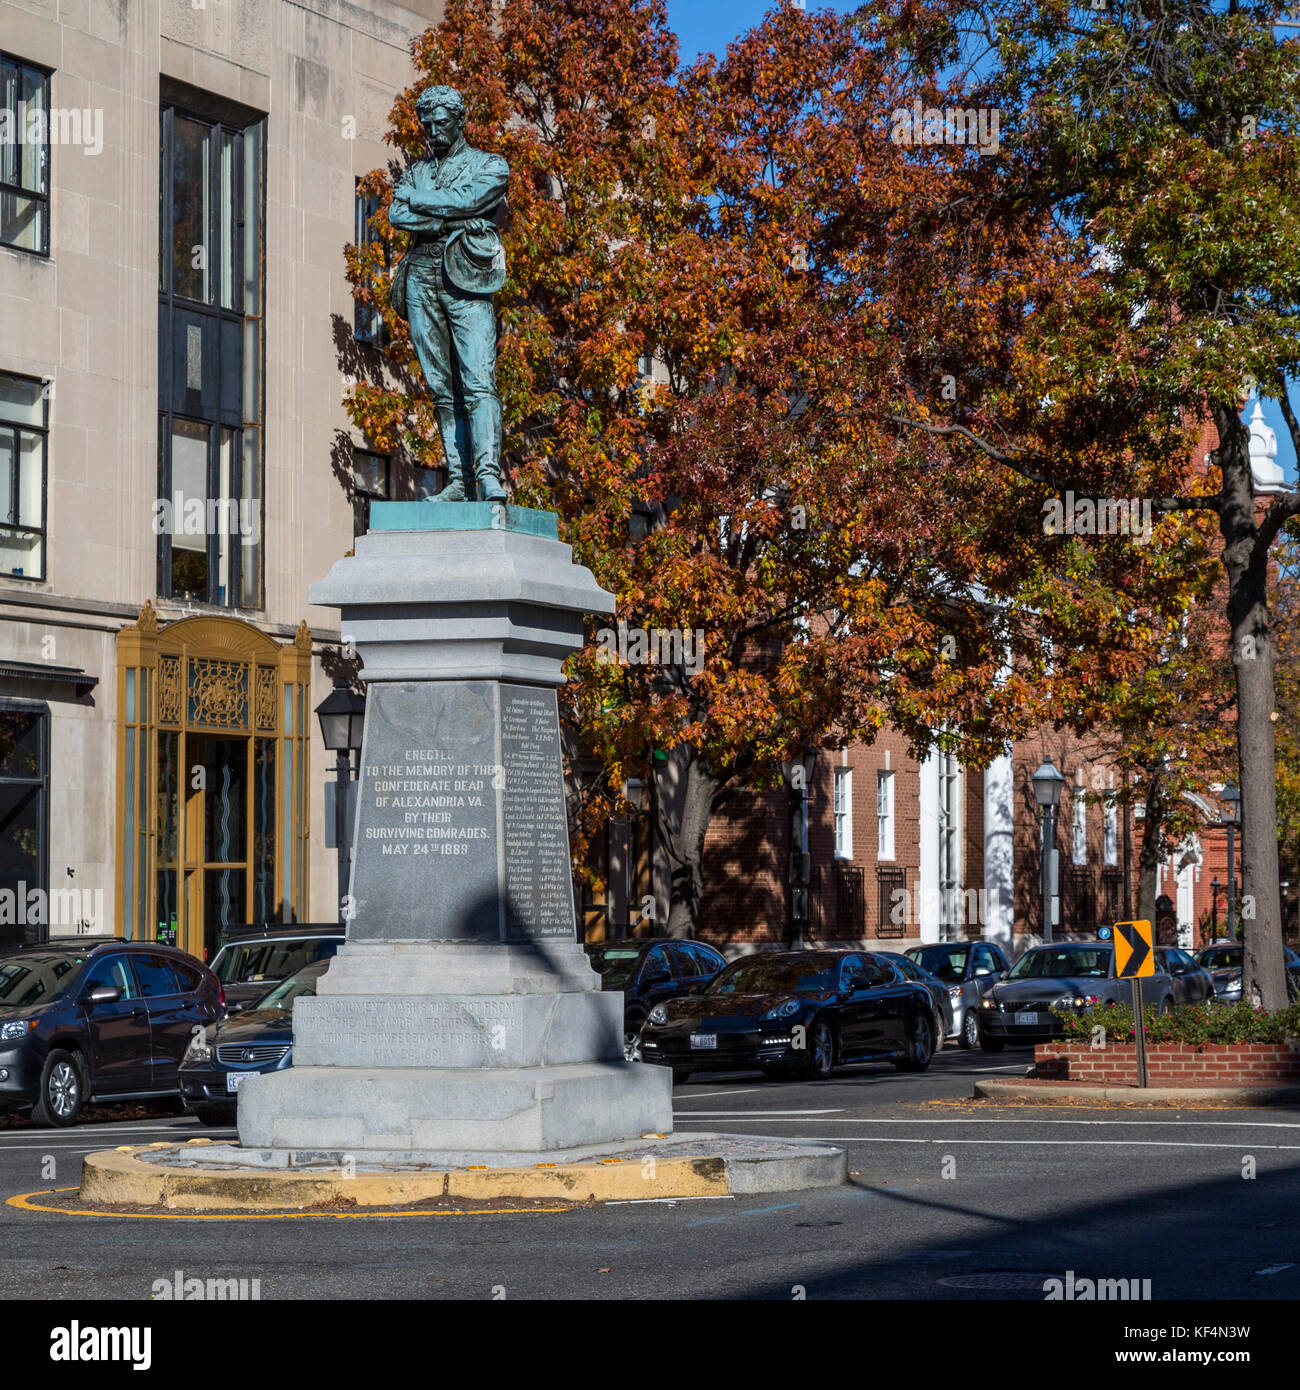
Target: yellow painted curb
column 117, row 1177
column 23, row 1201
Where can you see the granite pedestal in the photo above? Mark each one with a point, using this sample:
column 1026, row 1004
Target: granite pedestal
column 462, row 1013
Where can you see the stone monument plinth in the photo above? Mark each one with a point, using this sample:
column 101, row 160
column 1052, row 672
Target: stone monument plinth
column 461, row 1015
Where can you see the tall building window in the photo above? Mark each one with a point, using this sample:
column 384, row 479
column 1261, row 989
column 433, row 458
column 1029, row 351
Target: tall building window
column 210, row 349
column 24, row 428
column 951, row 867
column 843, row 809
column 24, row 156
column 367, row 321
column 1110, row 833
column 370, row 483
column 1079, row 839
column 884, row 815
column 24, row 787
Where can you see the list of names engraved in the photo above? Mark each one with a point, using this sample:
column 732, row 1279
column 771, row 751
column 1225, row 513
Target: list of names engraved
column 539, row 882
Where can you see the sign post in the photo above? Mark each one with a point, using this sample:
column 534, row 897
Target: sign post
column 1135, row 960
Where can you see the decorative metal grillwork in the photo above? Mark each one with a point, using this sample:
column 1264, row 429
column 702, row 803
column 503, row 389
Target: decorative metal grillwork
column 850, row 902
column 888, row 883
column 218, row 693
column 169, row 689
column 266, row 699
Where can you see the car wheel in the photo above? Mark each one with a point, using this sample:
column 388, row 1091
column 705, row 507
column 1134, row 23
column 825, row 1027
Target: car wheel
column 970, row 1029
column 920, row 1045
column 632, row 1039
column 63, row 1090
column 821, row 1052
column 213, row 1116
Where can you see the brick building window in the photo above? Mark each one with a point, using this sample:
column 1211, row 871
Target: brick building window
column 891, row 886
column 843, row 813
column 1079, row 837
column 1110, row 833
column 884, row 815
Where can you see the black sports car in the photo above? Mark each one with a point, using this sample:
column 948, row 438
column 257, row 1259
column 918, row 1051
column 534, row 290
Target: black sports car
column 797, row 1013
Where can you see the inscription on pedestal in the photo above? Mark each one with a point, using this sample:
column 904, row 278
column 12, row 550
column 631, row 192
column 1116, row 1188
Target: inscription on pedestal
column 425, row 865
column 535, row 827
column 461, row 828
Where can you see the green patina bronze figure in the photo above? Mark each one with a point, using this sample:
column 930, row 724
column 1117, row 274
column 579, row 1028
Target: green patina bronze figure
column 452, row 204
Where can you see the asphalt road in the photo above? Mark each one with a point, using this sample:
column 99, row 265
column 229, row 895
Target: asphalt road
column 949, row 1199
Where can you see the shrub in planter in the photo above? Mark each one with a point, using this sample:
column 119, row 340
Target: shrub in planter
column 1196, row 1025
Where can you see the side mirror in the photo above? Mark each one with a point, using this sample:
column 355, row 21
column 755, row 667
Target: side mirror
column 103, row 994
column 656, row 975
column 982, row 971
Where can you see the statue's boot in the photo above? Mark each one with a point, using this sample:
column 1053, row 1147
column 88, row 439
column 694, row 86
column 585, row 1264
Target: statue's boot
column 485, row 445
column 455, row 489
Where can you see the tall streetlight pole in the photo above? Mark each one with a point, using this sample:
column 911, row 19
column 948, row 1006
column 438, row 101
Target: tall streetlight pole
column 1048, row 782
column 1231, row 798
column 342, row 715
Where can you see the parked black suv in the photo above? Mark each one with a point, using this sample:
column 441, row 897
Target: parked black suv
column 94, row 1019
column 255, row 958
column 648, row 971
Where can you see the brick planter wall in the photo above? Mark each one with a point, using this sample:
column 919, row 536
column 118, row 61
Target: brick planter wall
column 1171, row 1064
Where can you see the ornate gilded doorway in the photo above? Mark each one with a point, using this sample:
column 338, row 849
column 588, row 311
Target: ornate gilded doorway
column 213, row 739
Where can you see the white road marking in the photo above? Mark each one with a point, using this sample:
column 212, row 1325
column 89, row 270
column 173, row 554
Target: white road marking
column 863, row 1139
column 708, row 1095
column 763, row 1114
column 670, row 1201
column 1274, row 1269
column 975, row 1120
column 113, row 1129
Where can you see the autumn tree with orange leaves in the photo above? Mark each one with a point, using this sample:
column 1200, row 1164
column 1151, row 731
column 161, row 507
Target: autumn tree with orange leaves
column 713, row 301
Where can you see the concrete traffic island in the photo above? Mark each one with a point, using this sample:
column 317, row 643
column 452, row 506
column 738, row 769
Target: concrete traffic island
column 229, row 1178
column 460, row 1040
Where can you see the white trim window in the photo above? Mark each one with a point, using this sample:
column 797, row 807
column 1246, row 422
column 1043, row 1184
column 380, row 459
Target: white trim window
column 1079, row 807
column 1110, row 834
column 843, row 809
column 884, row 815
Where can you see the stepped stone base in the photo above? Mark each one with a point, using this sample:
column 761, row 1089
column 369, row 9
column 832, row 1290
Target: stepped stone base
column 400, row 1109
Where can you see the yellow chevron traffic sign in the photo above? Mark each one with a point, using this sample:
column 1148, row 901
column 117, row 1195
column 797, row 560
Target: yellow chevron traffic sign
column 1134, row 958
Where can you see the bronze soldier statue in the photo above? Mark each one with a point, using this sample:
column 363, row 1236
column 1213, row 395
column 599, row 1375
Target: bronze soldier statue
column 452, row 204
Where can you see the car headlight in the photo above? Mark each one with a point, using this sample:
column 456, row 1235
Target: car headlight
column 988, row 1002
column 199, row 1050
column 1084, row 1000
column 954, row 993
column 659, row 1014
column 786, row 1010
column 11, row 1032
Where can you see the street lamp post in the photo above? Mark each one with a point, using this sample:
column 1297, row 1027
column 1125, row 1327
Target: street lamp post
column 342, row 714
column 1231, row 798
column 1215, row 885
column 1286, row 888
column 1048, row 783
column 798, row 777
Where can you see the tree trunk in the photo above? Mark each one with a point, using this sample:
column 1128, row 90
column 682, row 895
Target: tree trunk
column 685, row 814
column 1254, row 657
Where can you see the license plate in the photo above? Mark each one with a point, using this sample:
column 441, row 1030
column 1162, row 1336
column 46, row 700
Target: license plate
column 1027, row 1020
column 704, row 1040
column 235, row 1079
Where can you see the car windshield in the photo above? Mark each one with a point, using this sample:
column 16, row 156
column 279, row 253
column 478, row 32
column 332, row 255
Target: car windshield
column 614, row 964
column 783, row 975
column 1057, row 962
column 1222, row 958
column 36, row 977
column 947, row 963
column 268, row 960
column 299, row 986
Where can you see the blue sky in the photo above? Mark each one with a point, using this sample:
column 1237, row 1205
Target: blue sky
column 707, row 26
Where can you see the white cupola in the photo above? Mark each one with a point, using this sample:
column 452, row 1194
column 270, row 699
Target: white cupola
column 1264, row 469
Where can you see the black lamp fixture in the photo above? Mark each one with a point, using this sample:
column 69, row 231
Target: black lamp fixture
column 1048, row 784
column 342, row 715
column 1231, row 817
